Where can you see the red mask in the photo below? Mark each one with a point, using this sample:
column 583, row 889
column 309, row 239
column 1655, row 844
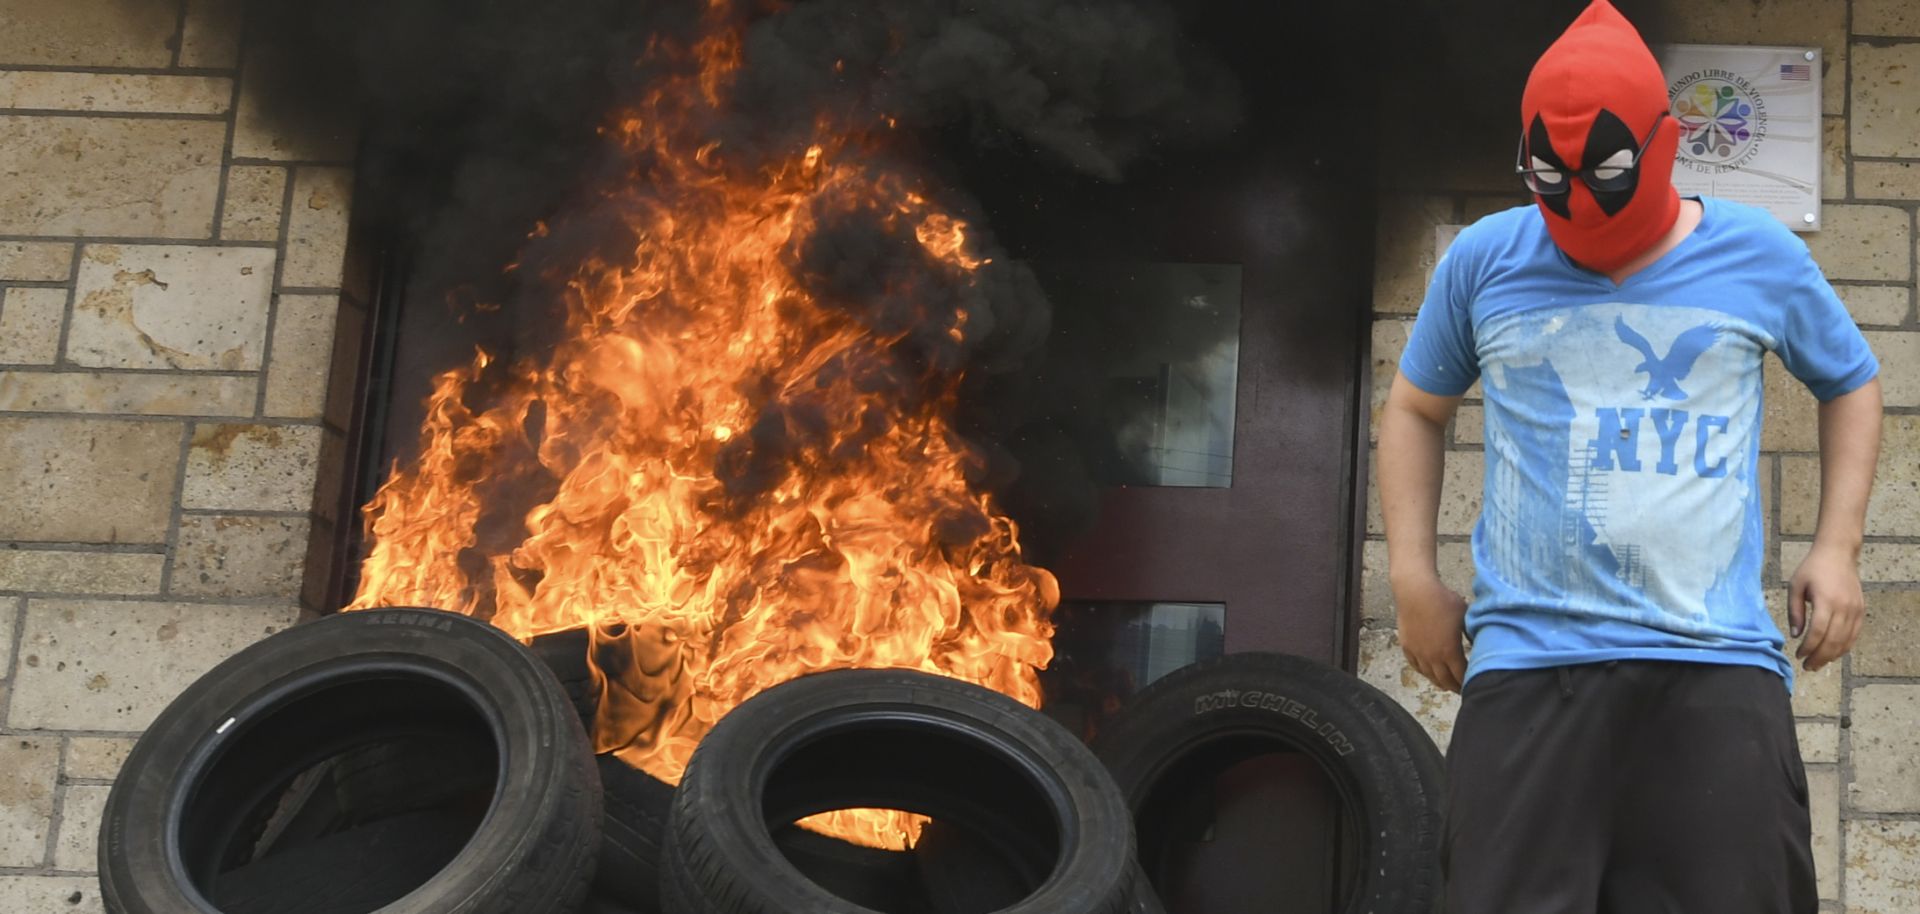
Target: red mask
column 1595, row 101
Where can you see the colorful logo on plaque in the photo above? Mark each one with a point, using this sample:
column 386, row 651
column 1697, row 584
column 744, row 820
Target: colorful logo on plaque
column 1722, row 117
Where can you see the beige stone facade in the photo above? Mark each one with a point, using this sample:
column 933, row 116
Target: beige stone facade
column 1857, row 719
column 171, row 264
column 170, row 273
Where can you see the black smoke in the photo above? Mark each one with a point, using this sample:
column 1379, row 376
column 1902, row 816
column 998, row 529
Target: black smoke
column 480, row 118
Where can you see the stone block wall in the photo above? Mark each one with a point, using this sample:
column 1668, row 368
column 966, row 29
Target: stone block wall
column 170, row 275
column 1859, row 720
column 171, row 266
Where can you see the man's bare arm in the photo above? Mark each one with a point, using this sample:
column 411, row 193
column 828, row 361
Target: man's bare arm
column 1410, row 464
column 1825, row 601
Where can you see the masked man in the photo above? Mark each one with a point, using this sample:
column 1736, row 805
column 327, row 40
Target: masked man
column 1625, row 742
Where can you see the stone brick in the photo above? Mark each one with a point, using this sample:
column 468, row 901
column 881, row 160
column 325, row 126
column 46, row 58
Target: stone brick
column 1877, row 304
column 1889, row 642
column 1885, row 119
column 171, row 306
column 1894, row 509
column 1792, row 418
column 211, row 37
column 263, row 132
column 114, row 665
column 1886, row 17
column 302, row 356
column 1799, row 495
column 1469, row 425
column 1833, row 158
column 254, row 197
column 1460, row 487
column 9, row 620
column 317, row 228
column 1899, row 354
column 1886, row 181
column 1389, row 340
column 225, row 556
column 1763, row 473
column 1455, row 562
column 1883, row 867
column 1823, row 806
column 1460, row 493
column 1385, row 667
column 62, row 894
column 1880, row 563
column 251, row 467
column 1776, row 22
column 89, row 33
column 77, row 848
column 87, row 481
column 96, row 758
column 35, row 261
column 29, row 770
column 60, row 571
column 1814, row 694
column 1819, row 741
column 30, row 322
column 114, row 92
column 1886, row 748
column 1403, row 250
column 109, row 176
column 137, row 394
column 1862, row 241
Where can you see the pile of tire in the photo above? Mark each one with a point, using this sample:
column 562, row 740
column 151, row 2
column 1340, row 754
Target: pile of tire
column 410, row 761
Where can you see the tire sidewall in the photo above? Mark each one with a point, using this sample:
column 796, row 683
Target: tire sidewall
column 1365, row 742
column 139, row 869
column 719, row 795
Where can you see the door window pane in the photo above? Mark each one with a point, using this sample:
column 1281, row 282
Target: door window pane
column 1165, row 339
column 1103, row 652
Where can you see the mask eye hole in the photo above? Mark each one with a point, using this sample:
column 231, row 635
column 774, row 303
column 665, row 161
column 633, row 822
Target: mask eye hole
column 1545, row 174
column 1614, row 166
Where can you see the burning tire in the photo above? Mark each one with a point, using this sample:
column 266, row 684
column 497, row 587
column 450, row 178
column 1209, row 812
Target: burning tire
column 1197, row 722
column 565, row 655
column 636, row 807
column 206, row 792
column 889, row 739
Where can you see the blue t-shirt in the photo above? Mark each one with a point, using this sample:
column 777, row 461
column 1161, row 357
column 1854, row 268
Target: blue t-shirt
column 1621, row 515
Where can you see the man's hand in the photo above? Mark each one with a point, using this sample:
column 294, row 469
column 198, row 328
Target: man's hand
column 1433, row 629
column 1413, row 427
column 1826, row 605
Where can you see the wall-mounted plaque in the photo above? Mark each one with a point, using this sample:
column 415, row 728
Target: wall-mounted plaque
column 1749, row 126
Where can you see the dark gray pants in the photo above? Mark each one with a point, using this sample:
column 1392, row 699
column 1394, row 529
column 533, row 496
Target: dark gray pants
column 1632, row 787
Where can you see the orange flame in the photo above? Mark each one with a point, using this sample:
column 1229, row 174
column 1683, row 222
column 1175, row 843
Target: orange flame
column 873, row 550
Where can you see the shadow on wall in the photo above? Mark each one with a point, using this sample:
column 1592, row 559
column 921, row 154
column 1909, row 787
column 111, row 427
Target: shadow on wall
column 1452, row 72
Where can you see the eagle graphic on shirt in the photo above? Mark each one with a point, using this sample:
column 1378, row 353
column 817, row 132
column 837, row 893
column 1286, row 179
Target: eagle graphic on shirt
column 1664, row 375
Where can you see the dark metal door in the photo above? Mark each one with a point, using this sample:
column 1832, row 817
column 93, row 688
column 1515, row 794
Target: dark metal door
column 1248, row 544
